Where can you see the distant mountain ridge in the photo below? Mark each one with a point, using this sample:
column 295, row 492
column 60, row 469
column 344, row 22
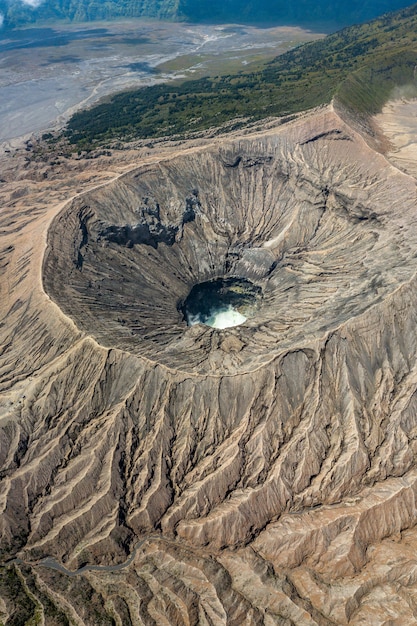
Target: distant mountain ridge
column 22, row 12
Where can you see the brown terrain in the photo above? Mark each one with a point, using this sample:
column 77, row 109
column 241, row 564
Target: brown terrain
column 158, row 474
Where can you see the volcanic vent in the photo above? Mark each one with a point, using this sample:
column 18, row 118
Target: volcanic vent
column 300, row 226
column 221, row 303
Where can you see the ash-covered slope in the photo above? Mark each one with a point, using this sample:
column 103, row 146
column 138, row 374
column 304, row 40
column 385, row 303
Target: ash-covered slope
column 265, row 470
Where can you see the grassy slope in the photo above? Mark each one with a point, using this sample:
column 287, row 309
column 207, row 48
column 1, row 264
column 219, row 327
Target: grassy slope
column 360, row 65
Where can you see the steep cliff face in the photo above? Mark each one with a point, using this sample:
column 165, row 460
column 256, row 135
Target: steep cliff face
column 267, row 470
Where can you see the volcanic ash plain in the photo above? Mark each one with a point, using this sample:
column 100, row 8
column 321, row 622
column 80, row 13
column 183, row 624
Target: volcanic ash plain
column 260, row 474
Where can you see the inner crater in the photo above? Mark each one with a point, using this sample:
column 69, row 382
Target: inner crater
column 221, row 303
column 278, row 238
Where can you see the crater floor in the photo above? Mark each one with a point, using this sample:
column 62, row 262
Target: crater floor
column 259, row 474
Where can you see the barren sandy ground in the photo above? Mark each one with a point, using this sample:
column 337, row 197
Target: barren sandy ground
column 46, row 74
column 398, row 122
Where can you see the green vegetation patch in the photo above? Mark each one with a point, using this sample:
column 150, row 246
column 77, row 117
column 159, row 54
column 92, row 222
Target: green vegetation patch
column 20, row 606
column 361, row 65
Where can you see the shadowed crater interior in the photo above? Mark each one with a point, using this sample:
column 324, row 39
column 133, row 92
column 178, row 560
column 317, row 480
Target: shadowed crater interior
column 291, row 226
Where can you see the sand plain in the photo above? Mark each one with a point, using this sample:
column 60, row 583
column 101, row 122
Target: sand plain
column 47, row 73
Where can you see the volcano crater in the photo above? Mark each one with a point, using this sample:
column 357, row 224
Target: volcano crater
column 298, row 216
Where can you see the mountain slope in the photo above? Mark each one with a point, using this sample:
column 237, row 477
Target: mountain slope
column 258, row 475
column 302, row 11
column 17, row 13
column 20, row 12
column 365, row 59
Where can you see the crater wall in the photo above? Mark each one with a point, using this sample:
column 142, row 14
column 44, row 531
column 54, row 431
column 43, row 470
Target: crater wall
column 304, row 216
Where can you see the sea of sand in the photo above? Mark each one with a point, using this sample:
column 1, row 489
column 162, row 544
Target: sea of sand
column 47, row 73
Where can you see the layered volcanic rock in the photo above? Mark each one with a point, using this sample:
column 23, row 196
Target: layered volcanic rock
column 260, row 474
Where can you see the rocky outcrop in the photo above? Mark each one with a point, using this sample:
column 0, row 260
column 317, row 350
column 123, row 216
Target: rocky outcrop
column 262, row 474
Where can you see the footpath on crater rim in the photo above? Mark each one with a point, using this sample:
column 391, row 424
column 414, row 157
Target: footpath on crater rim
column 174, row 474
